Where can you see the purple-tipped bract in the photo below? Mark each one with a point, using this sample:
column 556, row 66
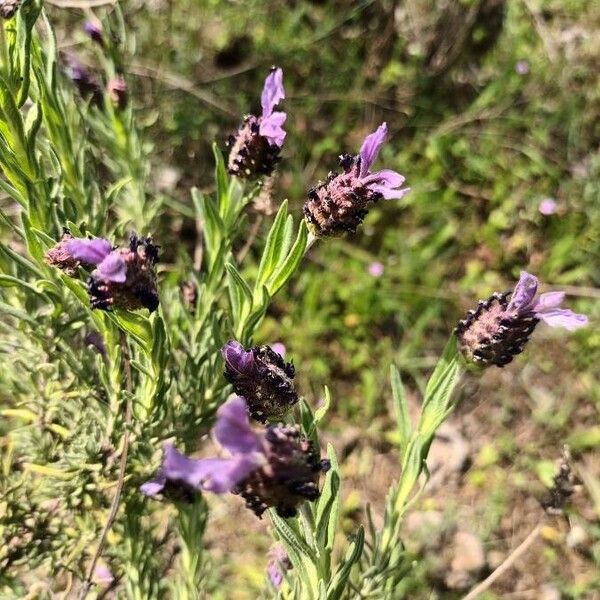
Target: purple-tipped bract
column 340, row 203
column 498, row 329
column 256, row 146
column 276, row 468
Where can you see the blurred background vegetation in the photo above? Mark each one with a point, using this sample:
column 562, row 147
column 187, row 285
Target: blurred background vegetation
column 492, row 106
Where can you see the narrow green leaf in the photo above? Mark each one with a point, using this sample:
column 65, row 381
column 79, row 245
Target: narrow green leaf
column 221, row 180
column 268, row 261
column 439, row 391
column 327, row 511
column 322, row 410
column 288, row 267
column 338, row 583
column 137, row 326
column 403, row 423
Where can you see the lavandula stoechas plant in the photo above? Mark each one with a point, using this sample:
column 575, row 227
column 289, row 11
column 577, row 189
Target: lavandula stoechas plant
column 255, row 148
column 340, row 203
column 277, row 467
column 498, row 329
column 262, row 377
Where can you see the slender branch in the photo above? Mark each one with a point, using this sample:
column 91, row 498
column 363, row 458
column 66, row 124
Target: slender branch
column 510, row 560
column 122, row 467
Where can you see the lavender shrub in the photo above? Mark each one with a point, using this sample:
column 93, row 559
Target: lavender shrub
column 122, row 367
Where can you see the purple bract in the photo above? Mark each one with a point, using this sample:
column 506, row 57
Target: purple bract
column 256, row 147
column 340, row 204
column 498, row 329
column 275, row 468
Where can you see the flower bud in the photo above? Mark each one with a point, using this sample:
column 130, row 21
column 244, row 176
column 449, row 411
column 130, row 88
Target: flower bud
column 117, row 92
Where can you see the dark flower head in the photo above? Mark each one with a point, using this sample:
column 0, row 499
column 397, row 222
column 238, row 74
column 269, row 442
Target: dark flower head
column 498, row 329
column 189, row 294
column 86, row 85
column 290, row 475
column 262, row 377
column 117, row 92
column 9, row 8
column 125, row 277
column 279, row 563
column 62, row 256
column 276, row 468
column 94, row 31
column 256, row 146
column 341, row 202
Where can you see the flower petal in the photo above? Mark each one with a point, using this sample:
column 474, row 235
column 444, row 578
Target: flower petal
column 271, row 128
column 237, row 357
column 154, row 486
column 562, row 317
column 92, row 252
column 524, row 292
column 386, row 177
column 370, row 148
column 232, row 429
column 549, row 300
column 112, row 268
column 224, row 473
column 388, row 193
column 272, row 93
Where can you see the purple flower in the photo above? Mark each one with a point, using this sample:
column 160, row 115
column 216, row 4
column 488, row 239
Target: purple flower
column 90, row 251
column 376, row 269
column 340, row 204
column 279, row 348
column 547, row 206
column 498, row 329
column 125, row 277
column 94, row 31
column 545, row 307
column 9, row 8
column 279, row 563
column 522, row 67
column 117, row 92
column 256, row 147
column 94, row 339
column 276, row 468
column 218, row 475
column 103, row 575
column 262, row 377
column 271, row 123
column 86, row 85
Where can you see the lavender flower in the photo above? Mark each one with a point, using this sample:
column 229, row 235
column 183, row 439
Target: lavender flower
column 547, row 206
column 376, row 269
column 117, row 92
column 125, row 277
column 522, row 67
column 262, row 377
column 9, row 8
column 62, row 257
column 498, row 329
column 340, row 204
column 256, row 146
column 94, row 31
column 279, row 563
column 86, row 85
column 275, row 468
